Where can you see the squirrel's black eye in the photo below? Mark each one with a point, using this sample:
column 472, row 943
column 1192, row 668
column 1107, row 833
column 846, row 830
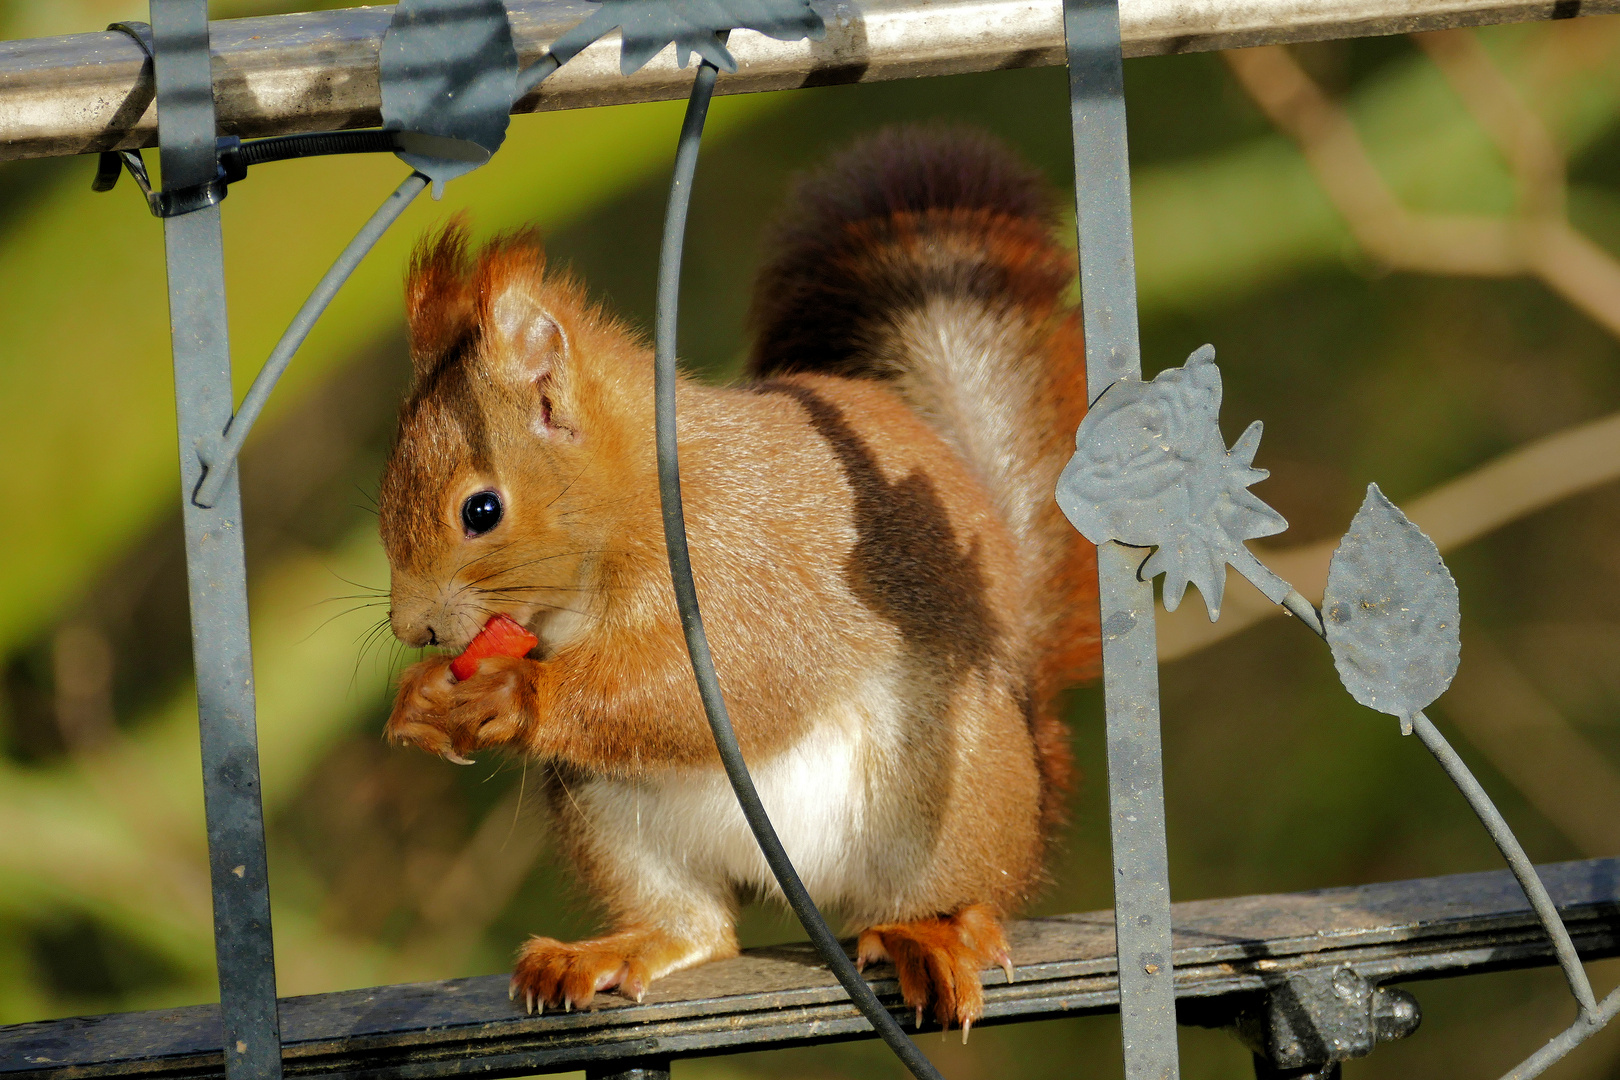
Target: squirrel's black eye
column 481, row 512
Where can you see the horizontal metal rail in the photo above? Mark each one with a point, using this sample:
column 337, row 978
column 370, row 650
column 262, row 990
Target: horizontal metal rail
column 1226, row 952
column 275, row 75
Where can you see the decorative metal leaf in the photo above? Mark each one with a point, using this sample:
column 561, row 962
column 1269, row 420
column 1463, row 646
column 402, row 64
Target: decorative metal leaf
column 449, row 75
column 1390, row 611
column 693, row 25
column 1150, row 469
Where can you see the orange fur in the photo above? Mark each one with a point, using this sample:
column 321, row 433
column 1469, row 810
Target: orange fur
column 573, row 973
column 938, row 961
column 437, row 302
column 892, row 597
column 913, row 217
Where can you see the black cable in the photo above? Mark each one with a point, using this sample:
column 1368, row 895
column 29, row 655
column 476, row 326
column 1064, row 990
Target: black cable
column 697, row 642
column 317, row 143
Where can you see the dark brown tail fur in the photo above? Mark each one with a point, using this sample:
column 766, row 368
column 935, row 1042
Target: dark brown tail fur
column 926, row 258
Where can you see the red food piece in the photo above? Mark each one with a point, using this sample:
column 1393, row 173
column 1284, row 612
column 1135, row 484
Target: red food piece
column 501, row 636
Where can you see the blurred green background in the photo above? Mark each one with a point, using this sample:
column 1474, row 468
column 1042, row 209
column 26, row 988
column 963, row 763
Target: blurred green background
column 392, row 866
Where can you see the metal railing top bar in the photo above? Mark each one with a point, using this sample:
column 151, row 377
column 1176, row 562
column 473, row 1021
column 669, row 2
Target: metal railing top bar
column 274, row 75
column 1225, row 951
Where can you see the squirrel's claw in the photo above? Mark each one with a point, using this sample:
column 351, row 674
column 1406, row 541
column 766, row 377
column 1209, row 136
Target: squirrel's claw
column 938, row 961
column 565, row 976
column 569, row 975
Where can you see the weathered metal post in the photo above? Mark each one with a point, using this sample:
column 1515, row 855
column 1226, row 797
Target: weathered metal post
column 1130, row 651
column 215, row 564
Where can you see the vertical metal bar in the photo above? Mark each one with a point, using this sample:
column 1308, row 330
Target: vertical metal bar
column 1147, row 1005
column 194, row 248
column 1102, row 192
column 1130, row 655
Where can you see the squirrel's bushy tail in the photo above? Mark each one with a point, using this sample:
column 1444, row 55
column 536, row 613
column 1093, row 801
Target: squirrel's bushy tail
column 925, row 258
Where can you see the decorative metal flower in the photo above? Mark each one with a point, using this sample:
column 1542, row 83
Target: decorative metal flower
column 1150, row 469
column 1390, row 611
column 448, row 70
column 693, row 25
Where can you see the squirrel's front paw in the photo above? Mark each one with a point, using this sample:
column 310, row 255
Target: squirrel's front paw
column 453, row 719
column 565, row 975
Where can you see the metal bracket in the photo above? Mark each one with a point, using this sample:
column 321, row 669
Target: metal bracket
column 631, row 1070
column 235, row 157
column 1147, row 1003
column 163, row 204
column 216, row 571
column 1307, row 1024
column 111, row 163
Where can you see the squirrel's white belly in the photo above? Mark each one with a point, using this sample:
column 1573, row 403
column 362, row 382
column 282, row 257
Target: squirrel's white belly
column 680, row 834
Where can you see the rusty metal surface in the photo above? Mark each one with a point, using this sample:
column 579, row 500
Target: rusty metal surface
column 318, row 72
column 1224, row 949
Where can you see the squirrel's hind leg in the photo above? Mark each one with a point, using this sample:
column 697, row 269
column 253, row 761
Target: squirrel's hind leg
column 938, row 960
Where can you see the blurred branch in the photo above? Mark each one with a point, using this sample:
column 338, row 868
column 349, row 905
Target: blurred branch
column 474, row 891
column 1537, row 241
column 82, row 670
column 117, row 830
column 1537, row 163
column 1513, row 486
column 1557, row 768
column 1209, row 229
column 1385, row 229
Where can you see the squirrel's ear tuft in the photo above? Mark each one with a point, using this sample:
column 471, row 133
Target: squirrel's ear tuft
column 439, row 298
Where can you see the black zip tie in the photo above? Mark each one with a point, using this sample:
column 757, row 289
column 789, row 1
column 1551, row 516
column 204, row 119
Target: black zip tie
column 111, row 162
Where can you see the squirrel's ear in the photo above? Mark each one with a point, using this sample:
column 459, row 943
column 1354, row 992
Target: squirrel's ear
column 522, row 343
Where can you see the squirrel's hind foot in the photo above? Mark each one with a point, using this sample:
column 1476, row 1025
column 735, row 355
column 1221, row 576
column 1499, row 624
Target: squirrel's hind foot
column 939, row 959
column 552, row 974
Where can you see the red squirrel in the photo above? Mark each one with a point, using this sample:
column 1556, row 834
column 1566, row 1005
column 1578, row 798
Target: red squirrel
column 893, row 597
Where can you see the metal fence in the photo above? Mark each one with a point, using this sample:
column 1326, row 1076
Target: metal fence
column 447, row 75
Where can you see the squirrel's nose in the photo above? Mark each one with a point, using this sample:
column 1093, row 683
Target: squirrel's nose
column 412, row 627
column 416, row 638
